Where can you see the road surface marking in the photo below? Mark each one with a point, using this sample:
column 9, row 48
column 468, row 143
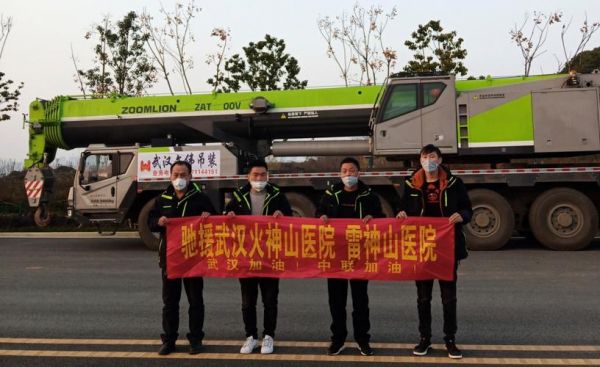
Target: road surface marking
column 308, row 344
column 304, row 358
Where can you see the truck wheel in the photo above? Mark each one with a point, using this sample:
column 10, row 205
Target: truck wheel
column 563, row 219
column 42, row 217
column 150, row 238
column 386, row 208
column 301, row 205
column 492, row 223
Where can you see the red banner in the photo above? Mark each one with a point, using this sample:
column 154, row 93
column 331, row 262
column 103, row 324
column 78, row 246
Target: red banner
column 291, row 247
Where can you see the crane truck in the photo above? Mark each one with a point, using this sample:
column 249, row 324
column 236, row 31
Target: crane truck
column 526, row 147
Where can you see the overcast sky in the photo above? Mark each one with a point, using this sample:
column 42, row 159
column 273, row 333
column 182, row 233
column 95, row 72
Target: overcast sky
column 38, row 49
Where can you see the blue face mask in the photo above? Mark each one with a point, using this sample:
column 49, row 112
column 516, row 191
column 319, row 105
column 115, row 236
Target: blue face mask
column 429, row 165
column 349, row 181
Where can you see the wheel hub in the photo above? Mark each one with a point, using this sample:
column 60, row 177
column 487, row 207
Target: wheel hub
column 565, row 220
column 486, row 221
column 482, row 220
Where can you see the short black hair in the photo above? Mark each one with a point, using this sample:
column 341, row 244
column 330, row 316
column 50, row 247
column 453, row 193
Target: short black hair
column 430, row 148
column 257, row 163
column 350, row 160
column 182, row 163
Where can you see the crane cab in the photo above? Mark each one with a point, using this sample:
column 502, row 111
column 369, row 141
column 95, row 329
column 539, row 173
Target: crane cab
column 413, row 112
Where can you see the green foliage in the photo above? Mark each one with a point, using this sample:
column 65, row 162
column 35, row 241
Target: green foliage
column 584, row 62
column 264, row 66
column 446, row 50
column 9, row 96
column 121, row 62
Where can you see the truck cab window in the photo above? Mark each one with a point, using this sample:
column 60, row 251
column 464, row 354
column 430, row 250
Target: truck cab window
column 431, row 93
column 402, row 100
column 97, row 167
column 124, row 162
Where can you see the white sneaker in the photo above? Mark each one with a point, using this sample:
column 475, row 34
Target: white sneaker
column 249, row 345
column 267, row 345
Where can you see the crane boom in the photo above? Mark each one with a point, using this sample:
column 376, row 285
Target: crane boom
column 246, row 119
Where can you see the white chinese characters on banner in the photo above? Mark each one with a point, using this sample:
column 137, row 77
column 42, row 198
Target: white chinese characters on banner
column 154, row 166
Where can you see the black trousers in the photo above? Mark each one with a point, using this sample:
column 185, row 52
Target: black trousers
column 171, row 294
column 448, row 294
column 338, row 295
column 269, row 290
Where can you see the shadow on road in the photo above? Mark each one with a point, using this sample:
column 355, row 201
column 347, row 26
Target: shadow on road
column 527, row 243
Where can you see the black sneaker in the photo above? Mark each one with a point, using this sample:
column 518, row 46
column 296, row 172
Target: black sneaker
column 365, row 349
column 423, row 347
column 335, row 348
column 195, row 347
column 453, row 351
column 166, row 348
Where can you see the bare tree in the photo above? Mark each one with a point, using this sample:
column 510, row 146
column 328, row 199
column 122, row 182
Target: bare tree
column 389, row 54
column 8, row 165
column 218, row 59
column 157, row 44
column 177, row 29
column 530, row 42
column 332, row 35
column 360, row 35
column 5, row 28
column 586, row 31
column 77, row 77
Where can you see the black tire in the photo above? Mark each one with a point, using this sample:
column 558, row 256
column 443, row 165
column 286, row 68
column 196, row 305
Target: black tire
column 493, row 221
column 41, row 216
column 563, row 219
column 386, row 208
column 301, row 205
column 150, row 239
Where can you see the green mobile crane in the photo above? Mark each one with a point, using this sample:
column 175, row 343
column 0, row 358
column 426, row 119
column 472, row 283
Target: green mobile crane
column 527, row 147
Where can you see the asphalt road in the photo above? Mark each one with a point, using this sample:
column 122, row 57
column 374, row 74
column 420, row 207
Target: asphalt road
column 72, row 302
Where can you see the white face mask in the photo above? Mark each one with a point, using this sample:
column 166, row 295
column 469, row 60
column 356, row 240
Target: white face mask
column 258, row 185
column 349, row 181
column 429, row 165
column 179, row 183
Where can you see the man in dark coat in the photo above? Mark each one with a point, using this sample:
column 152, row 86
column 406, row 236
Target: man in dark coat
column 350, row 198
column 433, row 191
column 259, row 197
column 182, row 198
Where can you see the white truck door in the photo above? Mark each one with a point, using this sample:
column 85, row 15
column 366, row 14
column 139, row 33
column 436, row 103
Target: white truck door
column 98, row 182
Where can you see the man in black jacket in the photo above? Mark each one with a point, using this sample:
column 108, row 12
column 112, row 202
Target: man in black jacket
column 433, row 191
column 182, row 198
column 350, row 198
column 259, row 197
